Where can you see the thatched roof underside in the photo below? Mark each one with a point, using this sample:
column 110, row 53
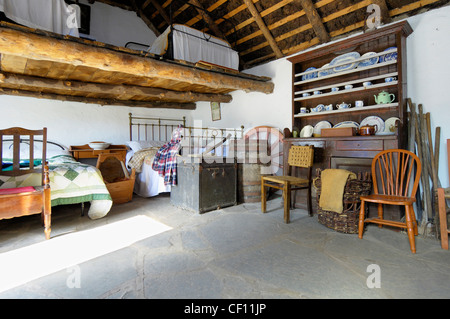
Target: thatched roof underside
column 264, row 30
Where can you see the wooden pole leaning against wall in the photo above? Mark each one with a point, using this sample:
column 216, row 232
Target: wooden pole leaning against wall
column 420, row 134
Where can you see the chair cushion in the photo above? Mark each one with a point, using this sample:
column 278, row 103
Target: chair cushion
column 18, row 190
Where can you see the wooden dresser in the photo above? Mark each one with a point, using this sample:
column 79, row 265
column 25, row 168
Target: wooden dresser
column 354, row 153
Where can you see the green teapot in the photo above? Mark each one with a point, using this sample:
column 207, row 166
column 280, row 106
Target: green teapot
column 384, row 98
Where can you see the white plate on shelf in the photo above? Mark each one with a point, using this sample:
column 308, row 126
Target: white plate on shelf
column 390, row 56
column 319, row 126
column 347, row 124
column 374, row 120
column 347, row 57
column 307, row 131
column 369, row 61
column 389, row 125
column 323, row 72
column 309, row 76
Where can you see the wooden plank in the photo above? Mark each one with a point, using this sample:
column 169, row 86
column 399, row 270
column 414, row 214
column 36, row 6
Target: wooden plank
column 211, row 23
column 29, row 83
column 160, row 9
column 12, row 63
column 37, row 47
column 146, row 104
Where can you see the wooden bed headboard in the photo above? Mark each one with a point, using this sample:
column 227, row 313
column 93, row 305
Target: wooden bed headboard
column 195, row 139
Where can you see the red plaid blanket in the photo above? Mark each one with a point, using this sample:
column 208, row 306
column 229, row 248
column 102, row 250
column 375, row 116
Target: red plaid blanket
column 165, row 161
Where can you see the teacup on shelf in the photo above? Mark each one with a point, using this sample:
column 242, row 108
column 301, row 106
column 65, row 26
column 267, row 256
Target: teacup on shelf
column 335, row 89
column 348, row 87
column 366, row 84
column 318, row 108
column 317, row 92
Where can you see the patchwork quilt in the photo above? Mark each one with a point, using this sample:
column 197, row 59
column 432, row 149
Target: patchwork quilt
column 71, row 182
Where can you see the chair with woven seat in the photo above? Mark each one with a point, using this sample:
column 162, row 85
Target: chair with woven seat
column 393, row 184
column 26, row 200
column 300, row 157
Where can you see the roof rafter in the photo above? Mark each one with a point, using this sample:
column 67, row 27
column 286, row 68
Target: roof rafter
column 266, row 32
column 315, row 20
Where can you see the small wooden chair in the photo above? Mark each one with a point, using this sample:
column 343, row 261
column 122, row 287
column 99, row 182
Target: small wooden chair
column 23, row 201
column 299, row 156
column 392, row 172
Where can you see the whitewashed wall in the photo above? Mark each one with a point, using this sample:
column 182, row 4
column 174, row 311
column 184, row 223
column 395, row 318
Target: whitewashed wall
column 76, row 123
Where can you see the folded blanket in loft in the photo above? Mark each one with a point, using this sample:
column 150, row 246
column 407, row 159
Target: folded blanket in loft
column 333, row 186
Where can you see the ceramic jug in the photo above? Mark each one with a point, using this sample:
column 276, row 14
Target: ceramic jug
column 384, row 98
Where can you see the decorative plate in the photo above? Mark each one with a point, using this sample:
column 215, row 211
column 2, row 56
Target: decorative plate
column 390, row 56
column 307, row 131
column 319, row 126
column 309, row 76
column 347, row 124
column 347, row 57
column 324, row 72
column 369, row 61
column 374, row 120
column 390, row 125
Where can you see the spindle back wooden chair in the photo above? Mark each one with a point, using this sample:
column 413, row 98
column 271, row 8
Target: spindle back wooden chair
column 23, row 201
column 395, row 175
column 301, row 157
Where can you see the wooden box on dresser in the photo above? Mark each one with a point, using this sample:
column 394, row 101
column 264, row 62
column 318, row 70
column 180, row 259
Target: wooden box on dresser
column 354, row 153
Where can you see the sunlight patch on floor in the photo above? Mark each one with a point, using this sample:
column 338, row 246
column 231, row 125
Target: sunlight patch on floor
column 25, row 264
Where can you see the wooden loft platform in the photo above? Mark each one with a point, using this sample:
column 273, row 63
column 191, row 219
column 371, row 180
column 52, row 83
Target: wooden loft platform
column 41, row 64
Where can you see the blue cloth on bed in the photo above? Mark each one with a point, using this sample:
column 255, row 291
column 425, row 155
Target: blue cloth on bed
column 7, row 166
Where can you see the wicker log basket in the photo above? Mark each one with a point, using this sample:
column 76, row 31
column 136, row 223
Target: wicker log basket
column 347, row 221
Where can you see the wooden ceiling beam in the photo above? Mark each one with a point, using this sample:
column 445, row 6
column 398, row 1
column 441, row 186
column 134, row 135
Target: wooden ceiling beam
column 90, row 100
column 198, row 17
column 308, row 26
column 118, row 92
column 277, row 24
column 262, row 26
column 144, row 18
column 174, row 14
column 315, row 20
column 160, row 9
column 44, row 48
column 209, row 21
